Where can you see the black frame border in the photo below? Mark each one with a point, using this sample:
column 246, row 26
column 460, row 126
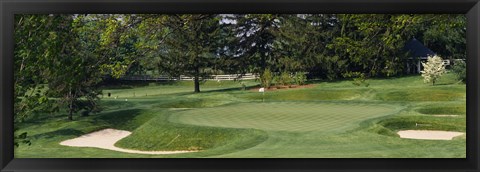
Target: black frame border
column 10, row 7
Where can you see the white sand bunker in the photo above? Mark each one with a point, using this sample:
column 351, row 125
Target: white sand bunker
column 106, row 139
column 429, row 134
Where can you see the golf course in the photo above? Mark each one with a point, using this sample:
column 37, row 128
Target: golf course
column 327, row 119
column 240, row 86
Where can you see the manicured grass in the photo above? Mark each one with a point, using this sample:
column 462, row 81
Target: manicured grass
column 330, row 120
column 285, row 116
column 172, row 136
column 306, row 94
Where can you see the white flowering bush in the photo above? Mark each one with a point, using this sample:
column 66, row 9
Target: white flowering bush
column 433, row 69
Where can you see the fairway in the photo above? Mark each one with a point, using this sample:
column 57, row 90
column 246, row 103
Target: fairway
column 285, row 116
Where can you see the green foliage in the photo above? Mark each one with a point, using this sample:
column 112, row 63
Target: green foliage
column 285, row 79
column 76, row 70
column 266, row 78
column 372, row 44
column 445, row 34
column 180, row 44
column 277, row 80
column 460, row 70
column 74, row 53
column 358, row 78
column 300, row 78
column 21, row 139
column 255, row 46
column 33, row 34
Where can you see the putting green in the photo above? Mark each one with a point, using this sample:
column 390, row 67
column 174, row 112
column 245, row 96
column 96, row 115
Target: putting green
column 285, row 116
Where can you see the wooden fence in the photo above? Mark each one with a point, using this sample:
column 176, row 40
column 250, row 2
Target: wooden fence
column 230, row 77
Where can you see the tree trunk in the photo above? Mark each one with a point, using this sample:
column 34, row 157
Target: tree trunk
column 197, row 85
column 70, row 112
column 264, row 63
column 70, row 106
column 196, row 80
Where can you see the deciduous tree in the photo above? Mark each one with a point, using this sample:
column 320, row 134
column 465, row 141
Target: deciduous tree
column 433, row 69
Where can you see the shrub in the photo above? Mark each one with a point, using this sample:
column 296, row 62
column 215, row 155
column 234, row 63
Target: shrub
column 285, row 79
column 278, row 81
column 85, row 113
column 266, row 78
column 300, row 78
column 358, row 78
column 244, row 87
column 460, row 70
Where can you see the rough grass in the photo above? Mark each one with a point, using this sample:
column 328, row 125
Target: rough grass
column 424, row 94
column 455, row 109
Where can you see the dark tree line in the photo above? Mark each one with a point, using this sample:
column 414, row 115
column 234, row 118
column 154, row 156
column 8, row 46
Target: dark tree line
column 327, row 46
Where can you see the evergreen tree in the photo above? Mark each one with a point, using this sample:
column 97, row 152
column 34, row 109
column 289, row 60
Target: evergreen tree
column 183, row 44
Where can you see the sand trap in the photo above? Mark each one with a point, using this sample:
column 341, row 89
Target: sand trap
column 106, row 139
column 429, row 134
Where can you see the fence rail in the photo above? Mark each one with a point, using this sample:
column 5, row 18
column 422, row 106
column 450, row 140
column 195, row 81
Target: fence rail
column 231, row 77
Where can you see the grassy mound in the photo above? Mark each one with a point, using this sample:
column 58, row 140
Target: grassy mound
column 444, row 109
column 159, row 134
column 424, row 94
column 422, row 123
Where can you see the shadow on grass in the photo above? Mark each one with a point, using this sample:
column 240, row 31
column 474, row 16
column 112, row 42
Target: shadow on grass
column 448, row 83
column 229, row 89
column 220, row 90
column 118, row 119
column 125, row 84
column 42, row 118
column 57, row 133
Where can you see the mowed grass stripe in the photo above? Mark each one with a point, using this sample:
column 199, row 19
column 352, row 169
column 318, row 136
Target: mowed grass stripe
column 284, row 116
